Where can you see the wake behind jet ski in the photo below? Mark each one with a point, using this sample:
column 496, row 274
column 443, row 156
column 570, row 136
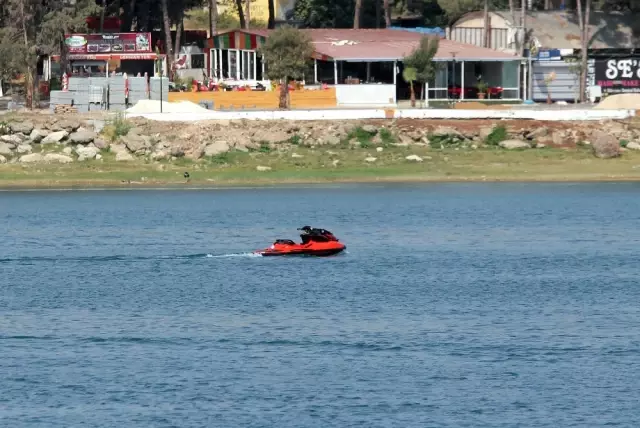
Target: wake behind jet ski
column 315, row 242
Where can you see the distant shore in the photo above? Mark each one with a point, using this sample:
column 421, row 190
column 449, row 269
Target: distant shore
column 445, row 166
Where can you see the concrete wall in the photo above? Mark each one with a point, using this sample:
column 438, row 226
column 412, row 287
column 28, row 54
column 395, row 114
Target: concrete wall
column 356, row 114
column 361, row 95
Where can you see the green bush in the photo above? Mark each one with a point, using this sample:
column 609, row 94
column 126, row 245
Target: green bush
column 497, row 135
column 387, row 136
column 444, row 141
column 117, row 127
column 623, row 143
column 362, row 136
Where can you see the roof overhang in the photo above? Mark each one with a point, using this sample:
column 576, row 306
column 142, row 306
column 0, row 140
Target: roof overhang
column 457, row 59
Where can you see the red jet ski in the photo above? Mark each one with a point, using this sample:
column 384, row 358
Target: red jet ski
column 315, row 242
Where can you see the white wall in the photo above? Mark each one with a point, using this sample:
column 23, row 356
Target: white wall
column 369, row 95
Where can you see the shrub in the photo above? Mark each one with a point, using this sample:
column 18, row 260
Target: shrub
column 497, row 135
column 387, row 136
column 117, row 127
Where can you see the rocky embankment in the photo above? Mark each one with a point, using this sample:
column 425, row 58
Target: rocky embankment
column 51, row 139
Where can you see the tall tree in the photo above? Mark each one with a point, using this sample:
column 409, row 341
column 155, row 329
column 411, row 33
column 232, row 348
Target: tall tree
column 485, row 41
column 213, row 17
column 387, row 13
column 271, row 23
column 287, row 53
column 247, row 17
column 421, row 59
column 168, row 43
column 583, row 20
column 357, row 14
column 240, row 10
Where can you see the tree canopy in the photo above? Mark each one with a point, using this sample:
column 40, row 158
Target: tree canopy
column 286, row 52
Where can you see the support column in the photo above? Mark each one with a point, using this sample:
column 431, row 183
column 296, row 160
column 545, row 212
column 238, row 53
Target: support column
column 395, row 72
column 524, row 81
column 518, row 80
column 426, row 94
column 255, row 65
column 335, row 72
column 263, row 76
column 315, row 71
column 368, row 72
column 462, row 80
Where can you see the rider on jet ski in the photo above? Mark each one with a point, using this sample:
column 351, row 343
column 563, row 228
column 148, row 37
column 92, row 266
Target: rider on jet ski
column 313, row 234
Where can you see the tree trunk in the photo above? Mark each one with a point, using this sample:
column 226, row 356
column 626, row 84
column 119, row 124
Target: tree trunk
column 387, row 13
column 28, row 76
column 547, row 4
column 213, row 17
column 132, row 14
column 179, row 34
column 523, row 25
column 357, row 13
column 102, row 13
column 272, row 14
column 585, row 50
column 284, row 91
column 247, row 15
column 413, row 94
column 485, row 19
column 241, row 14
column 167, row 36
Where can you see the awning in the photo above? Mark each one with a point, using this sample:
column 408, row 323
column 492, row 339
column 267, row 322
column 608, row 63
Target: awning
column 107, row 57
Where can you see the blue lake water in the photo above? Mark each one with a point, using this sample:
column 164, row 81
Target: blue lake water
column 457, row 305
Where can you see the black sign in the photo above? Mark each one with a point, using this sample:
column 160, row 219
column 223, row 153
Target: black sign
column 617, row 75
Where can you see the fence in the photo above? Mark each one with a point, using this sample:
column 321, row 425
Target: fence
column 109, row 93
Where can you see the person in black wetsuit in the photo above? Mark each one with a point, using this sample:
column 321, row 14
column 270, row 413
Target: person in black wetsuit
column 319, row 235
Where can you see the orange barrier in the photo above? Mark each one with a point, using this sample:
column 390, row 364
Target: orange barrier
column 239, row 100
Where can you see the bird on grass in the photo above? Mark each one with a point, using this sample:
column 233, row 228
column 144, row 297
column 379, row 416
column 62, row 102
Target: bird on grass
column 187, row 177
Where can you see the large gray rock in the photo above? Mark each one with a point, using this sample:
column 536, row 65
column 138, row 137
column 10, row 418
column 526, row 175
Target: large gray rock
column 65, row 125
column 216, row 148
column 331, row 140
column 55, row 137
column 37, row 135
column 21, row 127
column 370, row 159
column 514, row 144
column 135, row 143
column 24, row 148
column 605, row 145
column 82, row 137
column 537, row 133
column 263, row 168
column 414, row 158
column 370, row 129
column 32, row 158
column 57, row 158
column 633, row 146
column 85, row 153
column 100, row 143
column 6, row 149
column 443, row 131
column 118, row 148
column 13, row 139
column 124, row 157
column 273, row 136
column 177, row 151
column 3, row 159
column 159, row 155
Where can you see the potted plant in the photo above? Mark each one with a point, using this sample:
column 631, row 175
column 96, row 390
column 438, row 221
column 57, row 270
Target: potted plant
column 482, row 89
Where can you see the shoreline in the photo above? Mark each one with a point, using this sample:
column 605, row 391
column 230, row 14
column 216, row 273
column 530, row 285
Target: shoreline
column 101, row 185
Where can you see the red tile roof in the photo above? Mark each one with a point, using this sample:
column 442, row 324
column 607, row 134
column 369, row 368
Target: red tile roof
column 387, row 45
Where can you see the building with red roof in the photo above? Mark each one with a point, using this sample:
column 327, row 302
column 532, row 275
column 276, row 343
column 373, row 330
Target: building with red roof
column 354, row 60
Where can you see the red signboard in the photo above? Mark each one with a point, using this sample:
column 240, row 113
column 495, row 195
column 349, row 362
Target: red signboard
column 116, row 43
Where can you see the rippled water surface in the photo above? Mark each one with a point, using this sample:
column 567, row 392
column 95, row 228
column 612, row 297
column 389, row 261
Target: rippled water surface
column 498, row 305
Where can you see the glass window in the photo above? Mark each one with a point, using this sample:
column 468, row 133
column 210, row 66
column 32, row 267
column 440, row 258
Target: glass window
column 510, row 74
column 197, row 61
